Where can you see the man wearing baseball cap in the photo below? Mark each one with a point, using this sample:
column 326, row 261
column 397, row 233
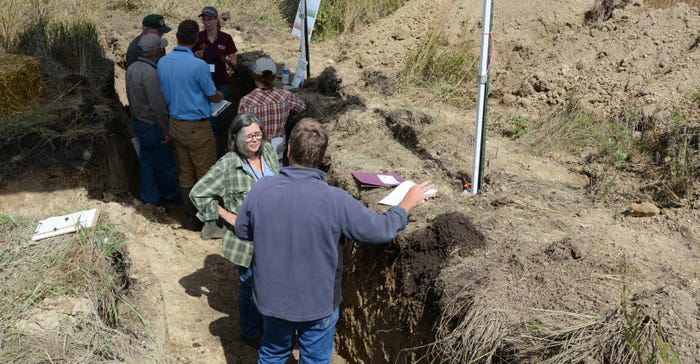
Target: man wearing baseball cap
column 188, row 89
column 152, row 23
column 218, row 49
column 150, row 122
column 271, row 105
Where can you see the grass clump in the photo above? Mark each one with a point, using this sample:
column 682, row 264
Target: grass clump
column 63, row 297
column 441, row 67
column 63, row 48
column 665, row 4
column 632, row 332
column 670, row 160
column 69, row 122
column 336, row 17
column 515, row 126
column 696, row 98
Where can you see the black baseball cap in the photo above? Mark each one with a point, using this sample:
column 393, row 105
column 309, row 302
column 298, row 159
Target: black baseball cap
column 156, row 21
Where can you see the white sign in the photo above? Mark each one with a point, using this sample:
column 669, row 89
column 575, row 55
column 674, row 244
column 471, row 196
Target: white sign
column 311, row 13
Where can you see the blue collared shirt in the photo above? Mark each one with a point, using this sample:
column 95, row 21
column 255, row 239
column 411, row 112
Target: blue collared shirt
column 186, row 83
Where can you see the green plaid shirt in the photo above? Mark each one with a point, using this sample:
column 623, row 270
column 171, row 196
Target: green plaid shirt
column 228, row 183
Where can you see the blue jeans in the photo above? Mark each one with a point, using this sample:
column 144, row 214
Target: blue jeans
column 157, row 164
column 217, row 125
column 248, row 315
column 315, row 340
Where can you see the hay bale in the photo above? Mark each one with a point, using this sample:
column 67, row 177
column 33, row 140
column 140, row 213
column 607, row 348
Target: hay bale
column 20, row 82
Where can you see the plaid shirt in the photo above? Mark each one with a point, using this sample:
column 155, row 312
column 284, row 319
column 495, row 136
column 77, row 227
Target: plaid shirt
column 272, row 107
column 229, row 183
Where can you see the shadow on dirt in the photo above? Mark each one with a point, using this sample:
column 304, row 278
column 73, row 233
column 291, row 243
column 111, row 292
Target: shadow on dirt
column 218, row 281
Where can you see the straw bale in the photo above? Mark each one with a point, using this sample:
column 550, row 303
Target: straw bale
column 20, row 82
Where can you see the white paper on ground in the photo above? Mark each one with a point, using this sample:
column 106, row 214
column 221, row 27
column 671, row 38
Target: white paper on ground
column 59, row 225
column 400, row 191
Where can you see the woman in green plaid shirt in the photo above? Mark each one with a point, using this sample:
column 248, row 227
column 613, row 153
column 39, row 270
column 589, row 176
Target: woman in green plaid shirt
column 221, row 191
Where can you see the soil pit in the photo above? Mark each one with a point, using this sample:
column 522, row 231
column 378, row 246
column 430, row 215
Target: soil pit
column 391, row 301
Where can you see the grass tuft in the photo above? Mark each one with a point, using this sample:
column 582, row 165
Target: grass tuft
column 63, row 297
column 665, row 4
column 629, row 333
column 442, row 67
column 336, row 17
column 670, row 159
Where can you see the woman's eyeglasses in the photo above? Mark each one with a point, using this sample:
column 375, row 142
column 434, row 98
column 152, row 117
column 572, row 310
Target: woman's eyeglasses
column 250, row 137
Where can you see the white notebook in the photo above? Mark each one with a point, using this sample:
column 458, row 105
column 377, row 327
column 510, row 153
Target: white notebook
column 218, row 107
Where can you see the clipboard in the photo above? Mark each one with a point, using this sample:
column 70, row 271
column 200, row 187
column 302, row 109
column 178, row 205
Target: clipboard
column 218, row 107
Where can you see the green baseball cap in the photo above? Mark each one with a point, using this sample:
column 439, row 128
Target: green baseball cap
column 156, row 21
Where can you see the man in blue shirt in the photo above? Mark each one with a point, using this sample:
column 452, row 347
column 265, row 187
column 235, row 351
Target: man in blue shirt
column 188, row 89
column 296, row 221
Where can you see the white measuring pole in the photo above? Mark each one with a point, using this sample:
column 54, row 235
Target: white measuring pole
column 482, row 98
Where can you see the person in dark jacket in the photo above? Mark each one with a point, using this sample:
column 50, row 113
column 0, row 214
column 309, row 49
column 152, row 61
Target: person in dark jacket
column 296, row 221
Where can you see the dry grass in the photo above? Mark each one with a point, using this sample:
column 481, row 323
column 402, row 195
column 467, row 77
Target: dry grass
column 665, row 4
column 440, row 67
column 20, row 82
column 472, row 330
column 624, row 335
column 46, row 281
column 341, row 16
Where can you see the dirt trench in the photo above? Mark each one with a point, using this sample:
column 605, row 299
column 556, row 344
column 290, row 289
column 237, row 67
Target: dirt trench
column 391, row 295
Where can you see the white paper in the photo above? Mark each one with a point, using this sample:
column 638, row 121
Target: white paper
column 299, row 73
column 58, row 225
column 212, row 67
column 387, row 180
column 400, row 191
column 218, row 107
column 397, row 194
column 137, row 146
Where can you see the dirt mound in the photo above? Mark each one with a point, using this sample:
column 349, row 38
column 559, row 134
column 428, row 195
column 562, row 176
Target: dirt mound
column 615, row 68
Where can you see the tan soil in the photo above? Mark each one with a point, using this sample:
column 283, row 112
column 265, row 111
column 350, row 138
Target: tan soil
column 546, row 245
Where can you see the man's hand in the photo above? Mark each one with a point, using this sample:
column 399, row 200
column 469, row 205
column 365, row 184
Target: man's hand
column 416, row 195
column 231, row 59
column 199, row 53
column 167, row 139
column 218, row 96
column 228, row 216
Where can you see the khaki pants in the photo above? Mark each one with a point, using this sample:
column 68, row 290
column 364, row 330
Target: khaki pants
column 195, row 148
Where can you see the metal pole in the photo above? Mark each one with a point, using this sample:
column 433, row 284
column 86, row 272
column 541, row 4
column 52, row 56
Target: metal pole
column 482, row 100
column 306, row 43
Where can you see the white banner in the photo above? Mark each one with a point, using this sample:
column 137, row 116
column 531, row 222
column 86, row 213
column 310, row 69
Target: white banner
column 311, row 13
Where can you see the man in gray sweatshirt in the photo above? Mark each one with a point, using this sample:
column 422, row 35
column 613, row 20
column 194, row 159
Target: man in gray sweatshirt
column 296, row 221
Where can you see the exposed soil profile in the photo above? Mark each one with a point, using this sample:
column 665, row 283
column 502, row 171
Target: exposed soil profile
column 391, row 294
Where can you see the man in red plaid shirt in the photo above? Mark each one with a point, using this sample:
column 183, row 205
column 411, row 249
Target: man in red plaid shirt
column 271, row 105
